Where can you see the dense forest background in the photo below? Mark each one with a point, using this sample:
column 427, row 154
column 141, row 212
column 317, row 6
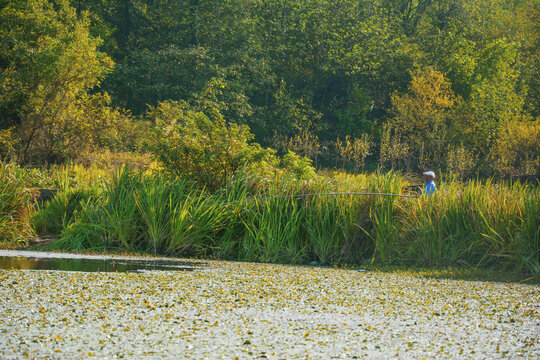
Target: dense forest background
column 449, row 85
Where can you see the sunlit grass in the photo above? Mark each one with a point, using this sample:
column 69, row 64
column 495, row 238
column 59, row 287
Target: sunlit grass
column 477, row 224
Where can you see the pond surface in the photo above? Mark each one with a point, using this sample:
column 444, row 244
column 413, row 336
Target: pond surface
column 249, row 310
column 93, row 264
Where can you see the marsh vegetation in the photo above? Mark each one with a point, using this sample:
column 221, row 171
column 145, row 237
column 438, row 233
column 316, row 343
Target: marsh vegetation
column 483, row 224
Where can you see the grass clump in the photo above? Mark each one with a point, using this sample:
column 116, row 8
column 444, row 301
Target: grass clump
column 14, row 214
column 56, row 214
column 475, row 224
column 276, row 219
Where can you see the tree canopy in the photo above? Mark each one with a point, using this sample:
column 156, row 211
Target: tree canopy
column 428, row 77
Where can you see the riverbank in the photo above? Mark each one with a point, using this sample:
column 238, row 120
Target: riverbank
column 251, row 310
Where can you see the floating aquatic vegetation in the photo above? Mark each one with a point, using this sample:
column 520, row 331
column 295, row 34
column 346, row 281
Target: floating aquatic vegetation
column 245, row 310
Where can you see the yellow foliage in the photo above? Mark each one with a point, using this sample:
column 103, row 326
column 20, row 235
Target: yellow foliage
column 422, row 116
column 517, row 149
column 355, row 150
column 305, row 144
column 8, row 141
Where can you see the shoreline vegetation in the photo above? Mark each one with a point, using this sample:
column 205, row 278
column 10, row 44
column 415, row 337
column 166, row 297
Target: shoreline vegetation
column 230, row 112
column 467, row 225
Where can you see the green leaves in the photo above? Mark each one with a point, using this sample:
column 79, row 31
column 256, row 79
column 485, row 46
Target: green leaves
column 197, row 142
column 287, row 69
column 50, row 63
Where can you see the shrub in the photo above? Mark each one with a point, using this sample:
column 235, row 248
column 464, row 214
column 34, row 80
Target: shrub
column 517, row 149
column 356, row 150
column 199, row 145
column 299, row 167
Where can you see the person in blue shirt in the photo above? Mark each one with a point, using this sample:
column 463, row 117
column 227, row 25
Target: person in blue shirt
column 429, row 183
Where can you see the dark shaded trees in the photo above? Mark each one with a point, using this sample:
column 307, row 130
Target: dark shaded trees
column 320, row 69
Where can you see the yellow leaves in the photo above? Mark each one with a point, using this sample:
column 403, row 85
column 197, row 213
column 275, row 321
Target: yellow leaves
column 432, row 90
column 356, row 150
column 517, row 148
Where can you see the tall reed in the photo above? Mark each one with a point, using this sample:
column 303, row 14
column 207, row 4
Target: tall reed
column 14, row 216
column 196, row 218
column 472, row 224
column 384, row 212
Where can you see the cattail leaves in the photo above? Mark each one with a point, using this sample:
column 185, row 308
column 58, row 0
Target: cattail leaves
column 259, row 219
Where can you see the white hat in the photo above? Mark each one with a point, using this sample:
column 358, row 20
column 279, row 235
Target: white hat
column 430, row 173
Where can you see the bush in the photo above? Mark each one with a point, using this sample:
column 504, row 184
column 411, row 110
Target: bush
column 199, row 145
column 517, row 149
column 299, row 167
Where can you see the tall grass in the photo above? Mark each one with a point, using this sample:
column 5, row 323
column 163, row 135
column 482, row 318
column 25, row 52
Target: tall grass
column 384, row 213
column 528, row 241
column 474, row 224
column 195, row 221
column 273, row 231
column 14, row 209
column 53, row 216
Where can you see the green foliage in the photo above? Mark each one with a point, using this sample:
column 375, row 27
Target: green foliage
column 196, row 143
column 447, row 75
column 299, row 167
column 199, row 144
column 59, row 212
column 49, row 64
column 127, row 135
column 252, row 218
column 155, row 76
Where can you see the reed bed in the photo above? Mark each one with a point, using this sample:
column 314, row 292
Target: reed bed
column 474, row 224
column 14, row 216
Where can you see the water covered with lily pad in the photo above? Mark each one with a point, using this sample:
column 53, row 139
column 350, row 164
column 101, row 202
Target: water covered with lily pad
column 229, row 310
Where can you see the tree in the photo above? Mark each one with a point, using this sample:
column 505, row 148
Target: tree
column 147, row 77
column 423, row 115
column 407, row 12
column 49, row 64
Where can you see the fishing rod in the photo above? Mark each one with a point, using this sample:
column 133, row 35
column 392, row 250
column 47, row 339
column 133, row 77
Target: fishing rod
column 325, row 194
